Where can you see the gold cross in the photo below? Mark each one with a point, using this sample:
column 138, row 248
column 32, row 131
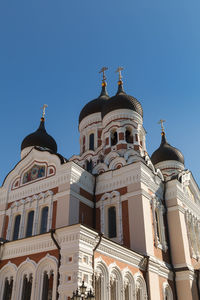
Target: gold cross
column 103, row 71
column 119, row 70
column 161, row 122
column 43, row 110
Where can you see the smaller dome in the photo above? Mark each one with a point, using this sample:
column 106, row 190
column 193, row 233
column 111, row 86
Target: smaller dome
column 122, row 101
column 95, row 105
column 166, row 152
column 40, row 138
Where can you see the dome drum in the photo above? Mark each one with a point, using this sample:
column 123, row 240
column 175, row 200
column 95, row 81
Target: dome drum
column 122, row 101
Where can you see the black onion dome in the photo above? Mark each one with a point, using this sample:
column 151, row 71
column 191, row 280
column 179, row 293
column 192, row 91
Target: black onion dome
column 40, row 138
column 122, row 101
column 95, row 105
column 166, row 152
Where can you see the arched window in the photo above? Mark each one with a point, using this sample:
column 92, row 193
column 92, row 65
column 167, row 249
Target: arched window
column 47, row 290
column 113, row 138
column 138, row 294
column 112, row 228
column 157, row 225
column 8, row 286
column 16, row 227
column 113, row 292
column 141, row 291
column 44, row 219
column 167, row 292
column 89, row 166
column 91, row 141
column 129, row 287
column 98, row 287
column 27, row 287
column 197, row 237
column 126, row 292
column 128, row 136
column 29, row 227
column 83, row 144
column 116, row 284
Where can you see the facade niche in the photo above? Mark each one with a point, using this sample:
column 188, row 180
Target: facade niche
column 113, row 138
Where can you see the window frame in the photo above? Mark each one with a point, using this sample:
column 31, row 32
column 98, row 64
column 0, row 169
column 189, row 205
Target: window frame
column 40, row 219
column 28, row 214
column 14, row 224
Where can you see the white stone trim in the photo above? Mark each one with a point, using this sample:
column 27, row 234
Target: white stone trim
column 140, row 286
column 158, row 208
column 106, row 201
column 167, row 291
column 23, row 207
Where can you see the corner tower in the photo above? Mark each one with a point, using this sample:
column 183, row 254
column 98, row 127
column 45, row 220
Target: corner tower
column 39, row 138
column 167, row 158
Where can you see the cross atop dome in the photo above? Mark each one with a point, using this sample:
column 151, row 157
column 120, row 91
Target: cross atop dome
column 120, row 82
column 161, row 121
column 43, row 110
column 119, row 70
column 104, row 76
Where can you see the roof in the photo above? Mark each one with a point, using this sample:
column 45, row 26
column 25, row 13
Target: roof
column 40, row 138
column 166, row 152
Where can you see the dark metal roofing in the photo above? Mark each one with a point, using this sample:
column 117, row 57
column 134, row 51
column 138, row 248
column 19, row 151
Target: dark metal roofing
column 95, row 105
column 63, row 160
column 166, row 152
column 40, row 138
column 122, row 101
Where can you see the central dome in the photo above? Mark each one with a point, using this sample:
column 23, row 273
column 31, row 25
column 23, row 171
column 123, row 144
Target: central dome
column 95, row 105
column 40, row 138
column 122, row 101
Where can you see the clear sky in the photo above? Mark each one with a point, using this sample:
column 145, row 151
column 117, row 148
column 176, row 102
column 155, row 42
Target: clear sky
column 51, row 52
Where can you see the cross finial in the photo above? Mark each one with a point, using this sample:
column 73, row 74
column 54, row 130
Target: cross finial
column 103, row 71
column 43, row 110
column 119, row 70
column 161, row 121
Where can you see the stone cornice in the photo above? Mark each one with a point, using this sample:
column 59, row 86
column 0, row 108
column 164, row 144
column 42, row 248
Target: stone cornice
column 160, row 267
column 122, row 114
column 136, row 172
column 80, row 238
column 175, row 191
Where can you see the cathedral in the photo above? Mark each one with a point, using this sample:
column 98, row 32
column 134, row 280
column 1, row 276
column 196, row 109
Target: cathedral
column 110, row 223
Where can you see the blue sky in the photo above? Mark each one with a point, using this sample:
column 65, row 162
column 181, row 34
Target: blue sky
column 51, row 52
